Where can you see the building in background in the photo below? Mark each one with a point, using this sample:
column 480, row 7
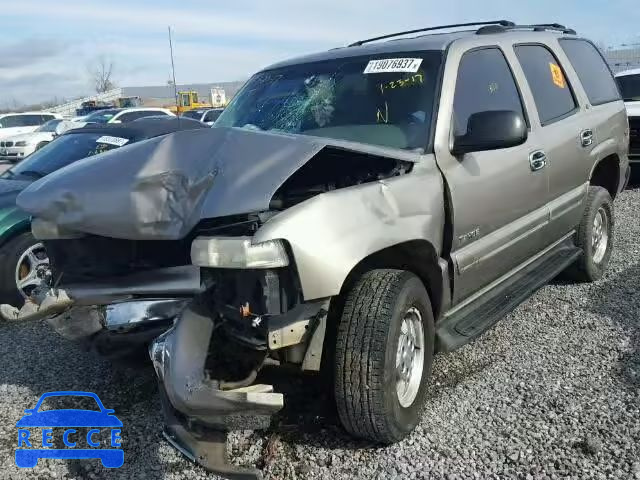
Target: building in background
column 623, row 57
column 162, row 96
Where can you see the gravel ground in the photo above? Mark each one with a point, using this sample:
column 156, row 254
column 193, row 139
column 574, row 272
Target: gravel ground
column 553, row 391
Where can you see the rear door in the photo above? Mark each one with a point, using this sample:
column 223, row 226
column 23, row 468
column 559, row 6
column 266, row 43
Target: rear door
column 498, row 201
column 559, row 127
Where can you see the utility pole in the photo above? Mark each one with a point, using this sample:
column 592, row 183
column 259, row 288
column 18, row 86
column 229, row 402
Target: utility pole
column 173, row 73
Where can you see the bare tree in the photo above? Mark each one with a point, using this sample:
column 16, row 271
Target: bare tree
column 102, row 74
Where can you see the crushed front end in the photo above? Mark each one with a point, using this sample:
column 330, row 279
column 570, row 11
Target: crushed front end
column 250, row 314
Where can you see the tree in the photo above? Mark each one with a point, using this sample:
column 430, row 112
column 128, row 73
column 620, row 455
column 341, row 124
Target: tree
column 102, row 74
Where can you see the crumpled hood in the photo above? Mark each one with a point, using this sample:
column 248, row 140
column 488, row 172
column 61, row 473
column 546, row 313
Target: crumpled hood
column 160, row 188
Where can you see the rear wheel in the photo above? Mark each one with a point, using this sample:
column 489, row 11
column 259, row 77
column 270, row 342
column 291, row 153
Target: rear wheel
column 23, row 265
column 594, row 236
column 384, row 353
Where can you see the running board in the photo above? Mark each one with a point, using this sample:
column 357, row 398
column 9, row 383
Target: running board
column 463, row 325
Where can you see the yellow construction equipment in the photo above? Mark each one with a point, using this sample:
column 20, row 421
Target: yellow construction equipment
column 188, row 100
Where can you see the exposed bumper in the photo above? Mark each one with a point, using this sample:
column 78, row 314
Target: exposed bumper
column 179, row 358
column 121, row 328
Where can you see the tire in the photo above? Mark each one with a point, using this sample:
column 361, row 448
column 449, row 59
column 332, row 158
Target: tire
column 9, row 256
column 367, row 340
column 594, row 260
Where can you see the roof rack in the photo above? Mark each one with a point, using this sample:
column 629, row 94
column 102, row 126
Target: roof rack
column 499, row 23
column 537, row 27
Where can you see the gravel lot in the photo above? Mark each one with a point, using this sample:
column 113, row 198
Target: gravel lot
column 553, row 391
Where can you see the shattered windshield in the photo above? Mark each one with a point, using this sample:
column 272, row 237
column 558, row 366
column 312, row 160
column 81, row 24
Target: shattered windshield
column 381, row 101
column 629, row 87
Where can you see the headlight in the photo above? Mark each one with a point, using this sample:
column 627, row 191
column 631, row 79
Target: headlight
column 238, row 252
column 21, row 144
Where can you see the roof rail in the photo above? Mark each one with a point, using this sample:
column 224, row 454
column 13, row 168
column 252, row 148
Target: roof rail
column 537, row 27
column 502, row 23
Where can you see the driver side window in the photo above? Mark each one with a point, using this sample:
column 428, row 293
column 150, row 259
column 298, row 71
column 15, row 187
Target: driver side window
column 485, row 83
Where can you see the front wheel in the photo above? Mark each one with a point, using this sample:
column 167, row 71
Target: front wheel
column 384, row 353
column 23, row 265
column 594, row 236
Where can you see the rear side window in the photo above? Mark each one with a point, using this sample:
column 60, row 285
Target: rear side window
column 20, row 121
column 548, row 83
column 131, row 116
column 593, row 72
column 485, row 83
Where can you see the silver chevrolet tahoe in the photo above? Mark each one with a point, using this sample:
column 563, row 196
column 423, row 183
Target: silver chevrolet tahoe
column 356, row 211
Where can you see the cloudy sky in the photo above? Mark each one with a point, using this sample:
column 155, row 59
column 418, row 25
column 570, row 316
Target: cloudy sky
column 47, row 46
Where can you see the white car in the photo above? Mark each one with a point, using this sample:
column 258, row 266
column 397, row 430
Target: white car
column 204, row 115
column 21, row 146
column 124, row 115
column 16, row 123
column 629, row 84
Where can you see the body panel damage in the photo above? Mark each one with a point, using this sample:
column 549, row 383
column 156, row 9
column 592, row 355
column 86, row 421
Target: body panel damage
column 161, row 188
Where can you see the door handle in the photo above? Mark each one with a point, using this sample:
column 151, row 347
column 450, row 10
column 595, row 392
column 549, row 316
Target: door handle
column 586, row 137
column 537, row 160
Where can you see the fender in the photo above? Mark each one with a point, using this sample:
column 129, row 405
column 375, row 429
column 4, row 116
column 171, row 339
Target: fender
column 331, row 233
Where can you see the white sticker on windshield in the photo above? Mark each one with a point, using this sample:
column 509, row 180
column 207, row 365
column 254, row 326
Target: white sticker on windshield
column 117, row 141
column 387, row 65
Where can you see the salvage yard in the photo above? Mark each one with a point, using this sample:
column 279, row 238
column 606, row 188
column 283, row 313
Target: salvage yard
column 553, row 391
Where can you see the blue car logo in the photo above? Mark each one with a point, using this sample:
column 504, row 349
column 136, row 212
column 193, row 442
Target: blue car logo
column 99, row 422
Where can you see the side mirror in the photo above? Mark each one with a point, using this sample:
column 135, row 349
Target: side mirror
column 491, row 130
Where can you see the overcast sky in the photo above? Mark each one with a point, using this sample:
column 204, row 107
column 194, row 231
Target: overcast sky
column 47, row 45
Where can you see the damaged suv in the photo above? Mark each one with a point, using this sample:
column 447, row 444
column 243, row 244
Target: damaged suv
column 358, row 209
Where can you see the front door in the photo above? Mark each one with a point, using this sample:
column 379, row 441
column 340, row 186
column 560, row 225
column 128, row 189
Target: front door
column 498, row 197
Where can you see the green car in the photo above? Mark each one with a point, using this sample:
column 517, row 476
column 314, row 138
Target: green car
column 23, row 260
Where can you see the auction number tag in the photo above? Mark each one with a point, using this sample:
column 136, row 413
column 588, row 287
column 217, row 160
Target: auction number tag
column 117, row 141
column 389, row 65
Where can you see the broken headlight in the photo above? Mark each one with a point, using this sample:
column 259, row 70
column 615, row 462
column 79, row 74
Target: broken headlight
column 238, row 252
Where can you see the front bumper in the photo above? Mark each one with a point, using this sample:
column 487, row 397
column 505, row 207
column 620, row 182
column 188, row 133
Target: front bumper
column 15, row 154
column 198, row 411
column 201, row 401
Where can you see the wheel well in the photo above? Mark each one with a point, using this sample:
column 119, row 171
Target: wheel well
column 416, row 256
column 606, row 174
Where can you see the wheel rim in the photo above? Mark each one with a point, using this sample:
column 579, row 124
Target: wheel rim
column 31, row 268
column 410, row 357
column 600, row 235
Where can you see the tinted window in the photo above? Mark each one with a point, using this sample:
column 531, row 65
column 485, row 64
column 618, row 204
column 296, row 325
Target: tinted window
column 382, row 101
column 212, row 115
column 195, row 114
column 20, row 121
column 485, row 83
column 549, row 85
column 102, row 116
column 131, row 116
column 59, row 153
column 629, row 87
column 593, row 72
column 46, row 118
column 50, row 126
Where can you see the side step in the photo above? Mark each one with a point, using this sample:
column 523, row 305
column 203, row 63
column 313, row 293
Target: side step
column 463, row 325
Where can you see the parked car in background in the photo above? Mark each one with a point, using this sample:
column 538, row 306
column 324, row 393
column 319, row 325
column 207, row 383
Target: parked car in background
column 629, row 84
column 19, row 147
column 124, row 115
column 23, row 260
column 204, row 115
column 16, row 123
